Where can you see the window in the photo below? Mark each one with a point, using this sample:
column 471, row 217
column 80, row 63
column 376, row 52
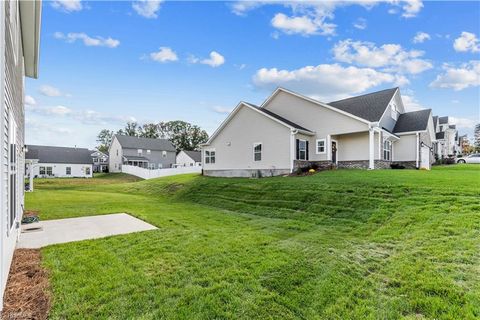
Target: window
column 210, row 156
column 49, row 171
column 164, row 154
column 321, row 143
column 160, row 166
column 387, row 150
column 87, row 171
column 151, row 166
column 394, row 112
column 68, row 170
column 117, row 152
column 42, row 171
column 302, row 149
column 257, row 152
column 148, row 151
column 139, row 151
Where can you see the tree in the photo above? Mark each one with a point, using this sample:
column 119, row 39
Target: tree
column 476, row 142
column 183, row 135
column 131, row 129
column 104, row 138
column 149, row 130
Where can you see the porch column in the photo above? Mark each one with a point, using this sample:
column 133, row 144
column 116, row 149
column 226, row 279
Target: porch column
column 371, row 150
column 30, row 169
column 329, row 147
column 292, row 150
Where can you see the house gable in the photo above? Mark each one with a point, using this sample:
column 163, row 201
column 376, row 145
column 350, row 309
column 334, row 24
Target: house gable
column 314, row 115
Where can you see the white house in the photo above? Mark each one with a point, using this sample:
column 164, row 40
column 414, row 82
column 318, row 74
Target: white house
column 19, row 49
column 289, row 131
column 58, row 162
column 100, row 161
column 446, row 136
column 189, row 159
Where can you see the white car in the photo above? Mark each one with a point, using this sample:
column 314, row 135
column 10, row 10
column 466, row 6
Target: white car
column 473, row 158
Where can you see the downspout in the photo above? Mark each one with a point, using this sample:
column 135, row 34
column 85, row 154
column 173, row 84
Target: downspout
column 293, row 132
column 417, row 156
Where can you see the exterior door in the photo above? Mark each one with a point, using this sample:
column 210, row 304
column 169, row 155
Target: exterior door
column 334, row 151
column 425, row 161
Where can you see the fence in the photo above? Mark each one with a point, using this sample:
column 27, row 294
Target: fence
column 157, row 173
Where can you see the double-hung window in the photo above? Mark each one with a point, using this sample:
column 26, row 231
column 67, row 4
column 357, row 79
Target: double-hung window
column 210, row 156
column 302, row 149
column 394, row 112
column 321, row 146
column 257, row 151
column 42, row 171
column 49, row 171
column 387, row 150
column 68, row 171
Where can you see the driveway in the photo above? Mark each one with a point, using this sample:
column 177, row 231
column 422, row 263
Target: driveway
column 84, row 228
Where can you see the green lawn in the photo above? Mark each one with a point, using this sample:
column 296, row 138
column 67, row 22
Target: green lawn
column 346, row 244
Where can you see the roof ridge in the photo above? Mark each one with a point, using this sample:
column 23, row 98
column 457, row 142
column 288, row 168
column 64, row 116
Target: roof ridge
column 366, row 94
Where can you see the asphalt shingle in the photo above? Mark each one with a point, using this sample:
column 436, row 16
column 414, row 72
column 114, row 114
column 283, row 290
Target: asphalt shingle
column 412, row 121
column 49, row 154
column 130, row 142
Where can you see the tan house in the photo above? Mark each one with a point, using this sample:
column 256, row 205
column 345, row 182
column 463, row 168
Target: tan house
column 289, row 131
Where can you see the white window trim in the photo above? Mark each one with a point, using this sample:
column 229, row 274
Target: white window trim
column 255, row 144
column 388, row 150
column 205, row 156
column 324, row 146
column 299, row 150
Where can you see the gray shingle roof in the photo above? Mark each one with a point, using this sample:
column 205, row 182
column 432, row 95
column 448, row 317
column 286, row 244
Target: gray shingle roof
column 130, row 142
column 195, row 155
column 435, row 118
column 369, row 106
column 443, row 120
column 280, row 118
column 440, row 135
column 48, row 154
column 412, row 121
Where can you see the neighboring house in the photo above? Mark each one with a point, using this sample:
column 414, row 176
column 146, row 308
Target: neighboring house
column 141, row 152
column 19, row 51
column 100, row 161
column 446, row 137
column 189, row 159
column 289, row 131
column 58, row 162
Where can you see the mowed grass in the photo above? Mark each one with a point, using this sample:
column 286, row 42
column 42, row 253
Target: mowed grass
column 346, row 244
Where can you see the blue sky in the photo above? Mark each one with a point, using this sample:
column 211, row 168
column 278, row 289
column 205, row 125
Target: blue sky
column 103, row 62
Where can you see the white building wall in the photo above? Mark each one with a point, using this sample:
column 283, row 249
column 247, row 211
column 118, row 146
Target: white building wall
column 234, row 144
column 183, row 160
column 115, row 156
column 59, row 170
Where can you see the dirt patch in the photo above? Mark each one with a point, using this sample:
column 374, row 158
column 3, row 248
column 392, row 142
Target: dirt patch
column 27, row 293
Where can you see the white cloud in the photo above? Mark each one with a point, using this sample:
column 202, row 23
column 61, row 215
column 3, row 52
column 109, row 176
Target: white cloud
column 40, row 127
column 147, row 8
column 67, row 5
column 87, row 40
column 459, row 78
column 411, row 104
column 325, row 81
column 391, row 56
column 215, row 59
column 464, row 123
column 467, row 42
column 222, row 110
column 51, row 91
column 303, row 25
column 165, row 54
column 421, row 37
column 30, row 101
column 411, row 8
column 360, row 23
column 314, row 17
column 240, row 66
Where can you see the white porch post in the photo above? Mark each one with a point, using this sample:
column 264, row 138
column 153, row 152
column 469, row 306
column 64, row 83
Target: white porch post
column 329, row 147
column 417, row 157
column 371, row 150
column 30, row 185
column 292, row 149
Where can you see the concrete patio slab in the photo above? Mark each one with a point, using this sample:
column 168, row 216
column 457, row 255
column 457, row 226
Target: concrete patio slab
column 84, row 228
